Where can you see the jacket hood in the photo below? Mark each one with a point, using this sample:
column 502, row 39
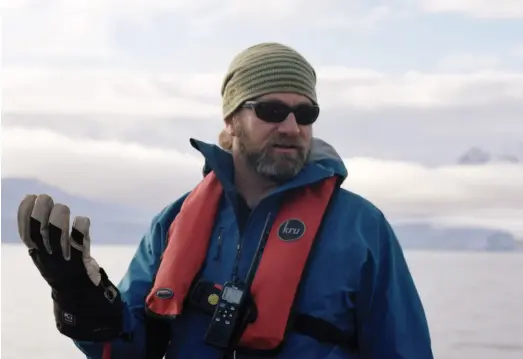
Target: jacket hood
column 323, row 154
column 324, row 161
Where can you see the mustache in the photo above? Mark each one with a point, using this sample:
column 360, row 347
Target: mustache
column 286, row 141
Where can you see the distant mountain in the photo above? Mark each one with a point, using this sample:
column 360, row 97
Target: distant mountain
column 110, row 223
column 427, row 236
column 117, row 224
column 478, row 156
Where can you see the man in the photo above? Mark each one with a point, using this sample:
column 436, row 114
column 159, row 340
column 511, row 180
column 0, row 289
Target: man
column 267, row 248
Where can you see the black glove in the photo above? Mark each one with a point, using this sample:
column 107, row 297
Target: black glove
column 87, row 306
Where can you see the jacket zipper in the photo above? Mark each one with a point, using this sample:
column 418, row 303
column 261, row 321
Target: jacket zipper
column 236, row 269
column 218, row 252
column 235, row 274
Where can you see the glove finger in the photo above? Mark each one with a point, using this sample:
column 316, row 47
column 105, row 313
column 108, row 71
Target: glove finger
column 40, row 221
column 24, row 220
column 79, row 238
column 59, row 230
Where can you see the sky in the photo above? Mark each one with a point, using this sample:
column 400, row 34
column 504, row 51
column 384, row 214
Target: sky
column 100, row 97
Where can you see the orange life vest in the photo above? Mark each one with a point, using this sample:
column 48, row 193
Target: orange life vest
column 280, row 268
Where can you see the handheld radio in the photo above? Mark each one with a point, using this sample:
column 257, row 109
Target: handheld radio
column 228, row 313
column 235, row 308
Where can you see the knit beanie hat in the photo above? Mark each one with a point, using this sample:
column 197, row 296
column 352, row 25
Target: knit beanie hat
column 265, row 68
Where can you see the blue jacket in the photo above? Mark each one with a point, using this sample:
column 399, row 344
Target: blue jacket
column 358, row 278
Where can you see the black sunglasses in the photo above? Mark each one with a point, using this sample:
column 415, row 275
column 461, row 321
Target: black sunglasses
column 275, row 111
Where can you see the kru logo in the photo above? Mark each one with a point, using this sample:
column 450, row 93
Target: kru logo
column 291, row 230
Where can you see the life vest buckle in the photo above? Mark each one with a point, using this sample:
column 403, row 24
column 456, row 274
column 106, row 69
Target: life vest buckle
column 205, row 296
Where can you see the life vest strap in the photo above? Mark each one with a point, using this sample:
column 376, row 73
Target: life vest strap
column 158, row 334
column 323, row 331
column 204, row 296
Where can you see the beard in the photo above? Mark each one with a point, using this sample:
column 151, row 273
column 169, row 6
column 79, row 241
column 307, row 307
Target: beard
column 275, row 166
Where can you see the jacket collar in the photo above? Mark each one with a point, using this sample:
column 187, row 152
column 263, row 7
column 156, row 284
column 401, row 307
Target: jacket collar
column 324, row 162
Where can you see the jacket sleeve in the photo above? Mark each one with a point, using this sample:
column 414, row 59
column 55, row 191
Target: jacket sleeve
column 134, row 287
column 391, row 319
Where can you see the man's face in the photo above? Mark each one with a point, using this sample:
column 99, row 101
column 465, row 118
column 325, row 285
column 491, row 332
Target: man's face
column 277, row 151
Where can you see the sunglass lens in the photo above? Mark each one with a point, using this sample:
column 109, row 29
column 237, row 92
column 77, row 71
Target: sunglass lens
column 278, row 112
column 272, row 111
column 306, row 114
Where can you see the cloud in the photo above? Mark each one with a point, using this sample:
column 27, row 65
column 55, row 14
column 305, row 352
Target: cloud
column 95, row 91
column 114, row 89
column 416, row 116
column 490, row 195
column 55, row 28
column 506, row 9
column 517, row 51
column 328, row 14
column 118, row 32
column 92, row 28
column 63, row 91
column 425, row 90
column 125, row 172
column 463, row 62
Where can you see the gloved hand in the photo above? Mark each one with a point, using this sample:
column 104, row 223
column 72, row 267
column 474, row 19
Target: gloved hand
column 87, row 306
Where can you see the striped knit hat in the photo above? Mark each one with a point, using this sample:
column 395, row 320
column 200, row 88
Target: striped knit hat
column 265, row 68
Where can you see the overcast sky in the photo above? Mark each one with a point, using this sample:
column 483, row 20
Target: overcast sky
column 100, row 97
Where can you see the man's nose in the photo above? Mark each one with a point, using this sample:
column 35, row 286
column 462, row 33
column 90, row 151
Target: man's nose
column 289, row 125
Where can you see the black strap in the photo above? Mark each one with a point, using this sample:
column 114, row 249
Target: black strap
column 305, row 324
column 157, row 337
column 323, row 331
column 158, row 334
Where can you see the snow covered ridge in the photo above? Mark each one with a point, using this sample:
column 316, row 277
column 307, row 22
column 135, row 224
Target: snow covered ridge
column 478, row 156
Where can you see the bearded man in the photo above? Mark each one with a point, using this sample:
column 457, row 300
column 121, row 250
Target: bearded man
column 266, row 257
